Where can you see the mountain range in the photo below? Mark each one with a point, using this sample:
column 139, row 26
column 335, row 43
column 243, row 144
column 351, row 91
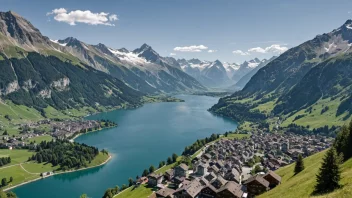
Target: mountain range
column 219, row 74
column 317, row 71
column 68, row 73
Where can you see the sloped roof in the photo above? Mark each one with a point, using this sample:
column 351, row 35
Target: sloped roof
column 232, row 187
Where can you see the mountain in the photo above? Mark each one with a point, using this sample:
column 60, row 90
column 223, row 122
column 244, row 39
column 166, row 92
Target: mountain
column 31, row 76
column 217, row 74
column 245, row 79
column 245, row 68
column 311, row 81
column 143, row 68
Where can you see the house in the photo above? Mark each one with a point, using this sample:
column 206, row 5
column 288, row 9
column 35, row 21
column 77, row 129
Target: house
column 201, row 170
column 154, row 179
column 230, row 190
column 169, row 174
column 234, row 175
column 219, row 182
column 208, row 191
column 181, row 170
column 272, row 178
column 165, row 192
column 191, row 190
column 256, row 185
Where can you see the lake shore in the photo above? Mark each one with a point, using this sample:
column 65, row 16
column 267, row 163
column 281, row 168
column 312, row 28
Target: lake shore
column 36, row 179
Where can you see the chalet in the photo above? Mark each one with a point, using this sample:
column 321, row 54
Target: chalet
column 272, row 178
column 201, row 169
column 230, row 190
column 219, row 182
column 256, row 185
column 165, row 192
column 234, row 175
column 192, row 190
column 181, row 170
column 169, row 174
column 155, row 179
column 209, row 191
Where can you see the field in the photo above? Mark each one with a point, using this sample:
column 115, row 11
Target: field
column 316, row 119
column 39, row 139
column 18, row 174
column 17, row 156
column 139, row 192
column 302, row 184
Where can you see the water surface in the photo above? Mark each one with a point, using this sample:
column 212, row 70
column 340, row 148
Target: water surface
column 144, row 136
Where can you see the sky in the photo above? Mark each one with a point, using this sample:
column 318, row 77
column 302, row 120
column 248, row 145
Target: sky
column 227, row 30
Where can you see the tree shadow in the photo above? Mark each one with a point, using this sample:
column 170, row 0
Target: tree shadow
column 316, row 193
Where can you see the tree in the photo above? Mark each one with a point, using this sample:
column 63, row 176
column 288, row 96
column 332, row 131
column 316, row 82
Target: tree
column 151, row 169
column 174, row 157
column 329, row 174
column 108, row 193
column 5, row 133
column 3, row 182
column 11, row 179
column 299, row 164
column 160, row 164
column 130, row 182
column 169, row 160
column 342, row 143
column 145, row 173
column 124, row 186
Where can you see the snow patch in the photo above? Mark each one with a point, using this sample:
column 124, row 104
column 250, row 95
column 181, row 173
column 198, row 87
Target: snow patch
column 348, row 26
column 57, row 42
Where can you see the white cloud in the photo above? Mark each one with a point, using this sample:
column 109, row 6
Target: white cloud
column 240, row 52
column 276, row 48
column 80, row 16
column 212, row 51
column 172, row 54
column 192, row 48
column 113, row 17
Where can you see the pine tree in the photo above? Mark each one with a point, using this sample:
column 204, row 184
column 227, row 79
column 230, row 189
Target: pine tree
column 299, row 164
column 329, row 174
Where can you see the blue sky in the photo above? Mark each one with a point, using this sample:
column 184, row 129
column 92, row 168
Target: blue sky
column 234, row 30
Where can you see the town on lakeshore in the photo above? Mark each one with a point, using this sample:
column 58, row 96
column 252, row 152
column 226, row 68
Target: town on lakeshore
column 176, row 99
column 235, row 168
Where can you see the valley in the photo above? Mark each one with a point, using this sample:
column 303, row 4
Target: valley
column 92, row 118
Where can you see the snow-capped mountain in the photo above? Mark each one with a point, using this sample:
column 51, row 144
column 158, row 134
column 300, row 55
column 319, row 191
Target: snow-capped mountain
column 217, row 74
column 244, row 68
column 143, row 68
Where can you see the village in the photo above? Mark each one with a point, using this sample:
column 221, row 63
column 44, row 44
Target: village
column 50, row 129
column 236, row 168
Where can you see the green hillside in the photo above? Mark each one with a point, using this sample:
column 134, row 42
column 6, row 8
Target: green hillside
column 302, row 184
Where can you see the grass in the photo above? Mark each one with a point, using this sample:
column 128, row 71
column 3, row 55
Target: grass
column 17, row 155
column 18, row 175
column 39, row 139
column 139, row 192
column 266, row 107
column 101, row 158
column 302, row 184
column 315, row 119
column 38, row 168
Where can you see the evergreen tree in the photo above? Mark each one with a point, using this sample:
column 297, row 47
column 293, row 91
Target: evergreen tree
column 299, row 164
column 169, row 160
column 151, row 169
column 130, row 182
column 342, row 143
column 329, row 174
column 145, row 173
column 3, row 182
column 83, row 196
column 174, row 157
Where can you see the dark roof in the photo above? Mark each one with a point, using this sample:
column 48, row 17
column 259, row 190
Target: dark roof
column 232, row 187
column 259, row 179
column 154, row 175
column 183, row 166
column 274, row 175
column 170, row 172
column 192, row 189
column 165, row 192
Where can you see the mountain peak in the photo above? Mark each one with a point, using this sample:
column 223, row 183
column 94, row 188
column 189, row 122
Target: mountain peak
column 124, row 50
column 348, row 22
column 22, row 31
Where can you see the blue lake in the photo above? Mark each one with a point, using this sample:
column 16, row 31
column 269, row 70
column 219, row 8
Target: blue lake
column 144, row 136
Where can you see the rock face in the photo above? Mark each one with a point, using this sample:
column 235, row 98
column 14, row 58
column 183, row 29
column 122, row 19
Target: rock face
column 61, row 84
column 10, row 88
